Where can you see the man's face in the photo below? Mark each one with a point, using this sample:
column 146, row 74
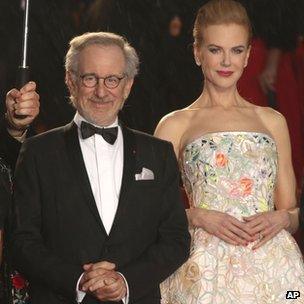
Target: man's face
column 99, row 105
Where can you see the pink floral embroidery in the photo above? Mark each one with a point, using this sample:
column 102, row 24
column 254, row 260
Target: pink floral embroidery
column 221, row 159
column 246, row 185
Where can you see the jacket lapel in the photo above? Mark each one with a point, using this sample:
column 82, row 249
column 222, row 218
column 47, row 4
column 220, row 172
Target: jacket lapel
column 128, row 172
column 79, row 170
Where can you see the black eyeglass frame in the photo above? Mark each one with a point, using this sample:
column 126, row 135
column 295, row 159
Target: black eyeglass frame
column 97, row 79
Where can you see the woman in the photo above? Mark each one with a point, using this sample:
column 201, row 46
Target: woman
column 237, row 171
column 5, row 192
column 5, row 199
column 13, row 288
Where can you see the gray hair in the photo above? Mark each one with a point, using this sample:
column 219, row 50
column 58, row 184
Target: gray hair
column 78, row 43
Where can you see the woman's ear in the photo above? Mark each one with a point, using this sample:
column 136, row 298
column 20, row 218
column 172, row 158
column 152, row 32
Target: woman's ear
column 247, row 56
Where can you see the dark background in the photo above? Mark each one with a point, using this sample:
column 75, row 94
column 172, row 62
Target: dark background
column 168, row 78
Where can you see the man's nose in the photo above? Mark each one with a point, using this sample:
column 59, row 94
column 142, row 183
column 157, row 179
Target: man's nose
column 100, row 89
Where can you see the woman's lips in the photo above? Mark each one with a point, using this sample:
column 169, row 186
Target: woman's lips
column 225, row 73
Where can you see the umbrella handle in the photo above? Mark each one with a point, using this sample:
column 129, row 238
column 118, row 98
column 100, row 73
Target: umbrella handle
column 23, row 76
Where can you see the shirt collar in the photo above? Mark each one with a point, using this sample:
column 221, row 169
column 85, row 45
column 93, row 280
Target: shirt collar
column 78, row 119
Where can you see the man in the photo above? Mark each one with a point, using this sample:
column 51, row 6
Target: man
column 98, row 213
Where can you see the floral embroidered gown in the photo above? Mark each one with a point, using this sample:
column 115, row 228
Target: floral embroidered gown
column 234, row 172
column 13, row 287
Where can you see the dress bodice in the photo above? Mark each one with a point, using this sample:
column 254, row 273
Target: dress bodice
column 233, row 172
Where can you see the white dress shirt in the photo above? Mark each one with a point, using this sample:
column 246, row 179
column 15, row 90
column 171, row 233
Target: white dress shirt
column 104, row 166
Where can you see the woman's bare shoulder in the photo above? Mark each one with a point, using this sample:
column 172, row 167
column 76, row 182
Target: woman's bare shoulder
column 174, row 122
column 172, row 127
column 274, row 121
column 181, row 114
column 270, row 117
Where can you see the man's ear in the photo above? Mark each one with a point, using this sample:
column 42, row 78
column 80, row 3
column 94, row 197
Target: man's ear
column 197, row 55
column 128, row 87
column 70, row 82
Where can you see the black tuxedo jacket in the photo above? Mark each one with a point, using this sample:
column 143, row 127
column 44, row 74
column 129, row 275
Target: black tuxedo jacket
column 58, row 228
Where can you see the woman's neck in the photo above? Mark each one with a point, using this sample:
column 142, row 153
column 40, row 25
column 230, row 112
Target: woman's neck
column 224, row 98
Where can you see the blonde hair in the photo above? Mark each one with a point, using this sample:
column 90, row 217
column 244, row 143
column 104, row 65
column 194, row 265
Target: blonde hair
column 78, row 43
column 217, row 12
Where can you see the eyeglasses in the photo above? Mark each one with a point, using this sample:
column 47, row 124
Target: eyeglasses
column 91, row 81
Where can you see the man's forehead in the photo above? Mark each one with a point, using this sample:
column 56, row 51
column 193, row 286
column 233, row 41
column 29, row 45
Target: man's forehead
column 103, row 50
column 99, row 56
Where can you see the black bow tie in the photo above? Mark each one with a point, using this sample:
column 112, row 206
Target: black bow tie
column 108, row 134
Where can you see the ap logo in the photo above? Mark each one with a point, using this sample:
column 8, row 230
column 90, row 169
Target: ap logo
column 292, row 295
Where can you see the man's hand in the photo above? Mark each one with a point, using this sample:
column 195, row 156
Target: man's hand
column 103, row 282
column 22, row 108
column 110, row 289
column 95, row 272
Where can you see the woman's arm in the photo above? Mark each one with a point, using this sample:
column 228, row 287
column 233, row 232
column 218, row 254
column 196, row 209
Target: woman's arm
column 285, row 192
column 286, row 215
column 169, row 128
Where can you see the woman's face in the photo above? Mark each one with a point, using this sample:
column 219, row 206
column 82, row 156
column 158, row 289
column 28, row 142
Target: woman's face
column 223, row 54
